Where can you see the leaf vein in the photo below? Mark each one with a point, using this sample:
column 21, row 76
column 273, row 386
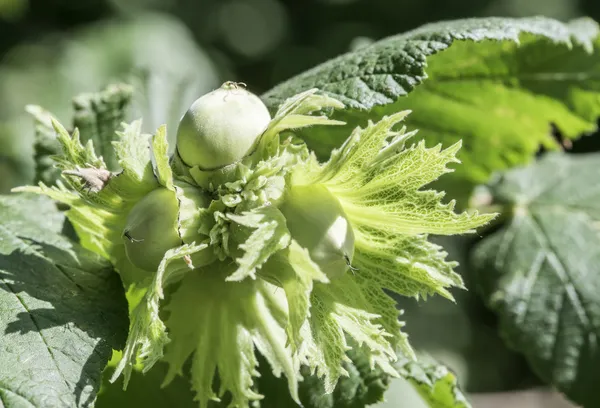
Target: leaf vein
column 38, row 331
column 566, row 279
column 559, row 322
column 506, row 243
column 4, row 389
column 530, row 280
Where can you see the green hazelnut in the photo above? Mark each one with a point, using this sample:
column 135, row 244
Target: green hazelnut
column 152, row 229
column 316, row 220
column 221, row 127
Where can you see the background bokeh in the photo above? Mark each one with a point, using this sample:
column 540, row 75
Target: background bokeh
column 175, row 50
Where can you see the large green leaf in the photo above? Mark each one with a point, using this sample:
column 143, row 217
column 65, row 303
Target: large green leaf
column 541, row 270
column 495, row 83
column 464, row 336
column 62, row 310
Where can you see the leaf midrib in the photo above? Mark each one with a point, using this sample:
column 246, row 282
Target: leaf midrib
column 546, row 246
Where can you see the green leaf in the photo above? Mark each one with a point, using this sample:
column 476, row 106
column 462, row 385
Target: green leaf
column 496, row 84
column 62, row 310
column 434, row 382
column 99, row 115
column 541, row 271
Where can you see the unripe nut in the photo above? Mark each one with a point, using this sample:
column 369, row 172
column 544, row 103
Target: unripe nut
column 151, row 229
column 221, row 127
column 316, row 220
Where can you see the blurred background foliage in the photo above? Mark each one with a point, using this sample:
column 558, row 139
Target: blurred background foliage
column 173, row 51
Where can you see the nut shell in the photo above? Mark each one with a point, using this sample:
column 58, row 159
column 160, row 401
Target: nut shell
column 221, row 127
column 151, row 229
column 317, row 221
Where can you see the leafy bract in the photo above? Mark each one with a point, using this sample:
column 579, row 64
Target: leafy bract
column 497, row 84
column 379, row 183
column 296, row 273
column 364, row 386
column 239, row 285
column 435, row 383
column 269, row 235
column 340, row 308
column 99, row 217
column 62, row 310
column 230, row 320
column 541, row 271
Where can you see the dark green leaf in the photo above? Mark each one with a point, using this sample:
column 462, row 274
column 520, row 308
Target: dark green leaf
column 541, row 271
column 62, row 310
column 96, row 115
column 495, row 83
column 144, row 390
column 99, row 115
column 362, row 387
column 435, row 383
column 464, row 336
column 45, row 146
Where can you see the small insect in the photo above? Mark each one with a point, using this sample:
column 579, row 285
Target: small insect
column 127, row 235
column 352, row 269
column 94, row 179
column 188, row 261
column 235, row 85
